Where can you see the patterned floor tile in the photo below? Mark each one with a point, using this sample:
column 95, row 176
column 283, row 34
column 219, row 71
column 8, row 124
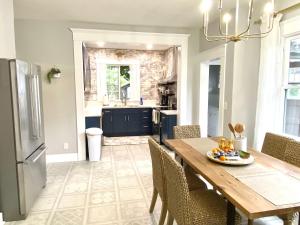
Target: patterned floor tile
column 147, row 180
column 145, row 171
column 35, row 219
column 106, row 183
column 133, row 210
column 146, row 221
column 102, row 166
column 78, row 187
column 125, row 172
column 102, row 214
column 72, row 201
column 55, row 179
column 141, row 156
column 104, row 224
column 124, row 164
column 43, row 204
column 130, row 194
column 52, row 189
column 59, row 169
column 128, row 181
column 143, row 163
column 98, row 174
column 73, row 177
column 68, row 217
column 133, row 140
column 102, row 197
column 149, row 192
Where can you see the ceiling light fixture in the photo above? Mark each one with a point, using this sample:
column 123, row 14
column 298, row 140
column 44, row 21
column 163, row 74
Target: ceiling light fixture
column 225, row 19
column 149, row 46
column 100, row 44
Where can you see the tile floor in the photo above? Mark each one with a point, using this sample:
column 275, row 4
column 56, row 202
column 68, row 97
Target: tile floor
column 129, row 140
column 115, row 191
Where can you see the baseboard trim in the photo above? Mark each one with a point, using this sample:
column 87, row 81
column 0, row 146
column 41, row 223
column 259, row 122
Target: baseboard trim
column 68, row 157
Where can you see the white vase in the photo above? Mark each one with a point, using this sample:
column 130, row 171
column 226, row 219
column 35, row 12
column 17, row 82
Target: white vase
column 240, row 143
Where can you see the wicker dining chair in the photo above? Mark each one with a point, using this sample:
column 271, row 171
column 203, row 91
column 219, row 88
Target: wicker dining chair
column 159, row 183
column 292, row 153
column 275, row 145
column 292, row 156
column 187, row 131
column 197, row 207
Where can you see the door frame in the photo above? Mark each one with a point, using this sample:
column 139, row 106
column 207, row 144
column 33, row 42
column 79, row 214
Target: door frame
column 83, row 35
column 204, row 58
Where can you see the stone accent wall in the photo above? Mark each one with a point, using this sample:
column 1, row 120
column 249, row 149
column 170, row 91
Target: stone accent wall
column 154, row 66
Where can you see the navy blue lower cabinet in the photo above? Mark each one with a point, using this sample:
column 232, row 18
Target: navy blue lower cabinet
column 167, row 124
column 134, row 122
column 107, row 125
column 92, row 121
column 119, row 122
column 127, row 122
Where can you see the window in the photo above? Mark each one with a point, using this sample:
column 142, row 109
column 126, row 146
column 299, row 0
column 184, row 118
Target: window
column 118, row 82
column 292, row 89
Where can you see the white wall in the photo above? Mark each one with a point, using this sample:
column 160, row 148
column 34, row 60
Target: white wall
column 7, row 33
column 49, row 43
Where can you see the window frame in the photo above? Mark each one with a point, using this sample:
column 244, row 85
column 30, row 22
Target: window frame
column 119, row 78
column 134, row 78
column 286, row 40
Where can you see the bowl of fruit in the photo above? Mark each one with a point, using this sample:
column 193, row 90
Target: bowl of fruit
column 226, row 154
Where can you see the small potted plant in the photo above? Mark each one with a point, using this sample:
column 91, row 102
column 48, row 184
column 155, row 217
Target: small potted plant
column 54, row 73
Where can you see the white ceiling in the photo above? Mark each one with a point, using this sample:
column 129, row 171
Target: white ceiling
column 174, row 13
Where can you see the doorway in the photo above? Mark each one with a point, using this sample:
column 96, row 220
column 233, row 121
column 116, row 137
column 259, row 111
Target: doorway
column 85, row 35
column 211, row 96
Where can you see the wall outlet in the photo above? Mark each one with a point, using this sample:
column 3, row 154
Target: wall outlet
column 66, row 145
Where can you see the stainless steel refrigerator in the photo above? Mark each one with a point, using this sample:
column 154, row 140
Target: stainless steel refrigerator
column 22, row 142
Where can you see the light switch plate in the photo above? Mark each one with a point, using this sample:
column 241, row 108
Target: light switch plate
column 66, row 145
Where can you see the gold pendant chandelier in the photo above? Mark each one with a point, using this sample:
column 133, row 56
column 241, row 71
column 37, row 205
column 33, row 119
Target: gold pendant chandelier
column 225, row 19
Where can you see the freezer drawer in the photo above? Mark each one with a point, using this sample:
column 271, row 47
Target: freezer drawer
column 32, row 179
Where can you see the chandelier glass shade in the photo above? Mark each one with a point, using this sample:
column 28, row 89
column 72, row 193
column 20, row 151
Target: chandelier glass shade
column 225, row 18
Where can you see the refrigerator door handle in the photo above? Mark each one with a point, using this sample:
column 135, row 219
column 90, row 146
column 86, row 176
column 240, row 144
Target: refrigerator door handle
column 43, row 150
column 32, row 106
column 38, row 105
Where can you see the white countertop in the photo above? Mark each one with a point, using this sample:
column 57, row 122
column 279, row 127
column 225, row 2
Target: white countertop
column 93, row 112
column 169, row 112
column 97, row 110
column 129, row 107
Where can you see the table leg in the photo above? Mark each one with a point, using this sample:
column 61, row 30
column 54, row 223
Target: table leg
column 299, row 218
column 289, row 219
column 179, row 159
column 230, row 213
column 250, row 222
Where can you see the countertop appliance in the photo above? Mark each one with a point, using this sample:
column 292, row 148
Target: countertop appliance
column 22, row 142
column 156, row 123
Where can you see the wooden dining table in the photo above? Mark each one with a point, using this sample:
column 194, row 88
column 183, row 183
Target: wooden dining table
column 234, row 183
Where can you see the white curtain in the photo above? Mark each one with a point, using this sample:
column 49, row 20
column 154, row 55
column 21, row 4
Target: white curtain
column 101, row 80
column 134, row 82
column 269, row 99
